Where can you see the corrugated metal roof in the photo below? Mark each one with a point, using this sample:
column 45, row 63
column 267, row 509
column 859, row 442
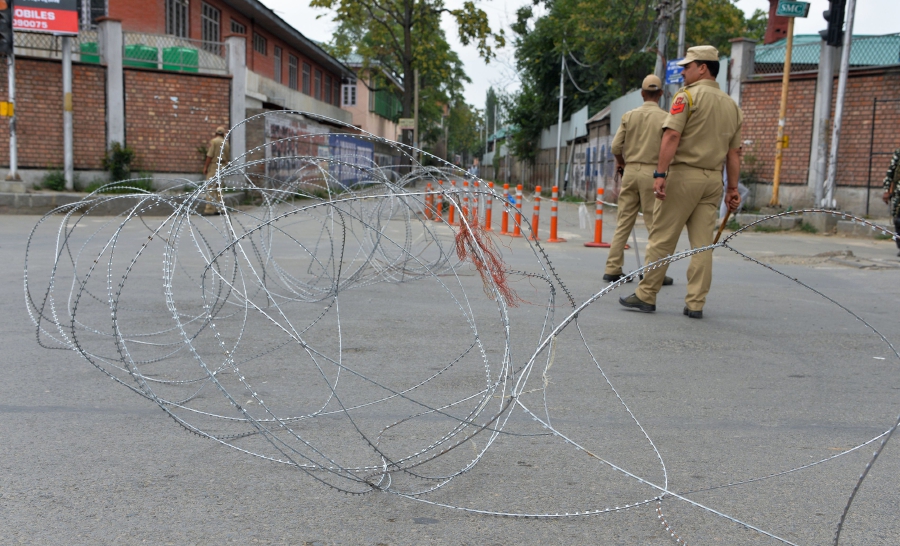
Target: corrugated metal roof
column 865, row 50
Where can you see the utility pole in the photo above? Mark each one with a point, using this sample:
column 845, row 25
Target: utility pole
column 829, row 200
column 824, row 86
column 664, row 15
column 13, row 149
column 68, row 151
column 416, row 113
column 562, row 70
column 782, row 113
column 682, row 25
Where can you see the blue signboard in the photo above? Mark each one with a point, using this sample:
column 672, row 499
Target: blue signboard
column 673, row 72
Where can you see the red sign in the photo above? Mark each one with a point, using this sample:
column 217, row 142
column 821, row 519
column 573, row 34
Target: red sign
column 50, row 16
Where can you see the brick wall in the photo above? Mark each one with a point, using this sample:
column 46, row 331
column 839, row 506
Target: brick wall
column 39, row 114
column 150, row 17
column 169, row 115
column 760, row 103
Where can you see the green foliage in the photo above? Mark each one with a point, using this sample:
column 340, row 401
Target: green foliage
column 808, row 228
column 606, row 44
column 404, row 35
column 463, row 135
column 117, row 161
column 756, row 26
column 733, row 224
column 54, row 180
column 762, row 228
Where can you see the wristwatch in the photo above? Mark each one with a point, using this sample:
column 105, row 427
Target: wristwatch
column 659, row 175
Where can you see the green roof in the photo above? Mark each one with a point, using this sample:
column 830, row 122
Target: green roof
column 864, row 51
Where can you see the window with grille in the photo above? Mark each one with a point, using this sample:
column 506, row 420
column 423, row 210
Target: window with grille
column 306, row 78
column 210, row 29
column 348, row 94
column 177, row 18
column 317, row 90
column 89, row 11
column 328, row 89
column 237, row 28
column 336, row 99
column 278, row 64
column 260, row 44
column 292, row 71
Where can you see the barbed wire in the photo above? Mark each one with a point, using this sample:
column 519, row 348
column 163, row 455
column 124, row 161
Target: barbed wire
column 242, row 326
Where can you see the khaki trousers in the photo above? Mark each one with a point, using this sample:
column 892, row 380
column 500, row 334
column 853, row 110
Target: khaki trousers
column 692, row 200
column 636, row 194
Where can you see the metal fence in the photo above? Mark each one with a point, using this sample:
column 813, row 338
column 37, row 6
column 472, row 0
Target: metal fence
column 161, row 52
column 48, row 46
column 865, row 51
column 167, row 52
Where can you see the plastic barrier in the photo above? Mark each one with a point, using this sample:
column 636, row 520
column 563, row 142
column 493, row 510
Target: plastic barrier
column 598, row 225
column 536, row 216
column 517, row 228
column 554, row 208
column 488, row 205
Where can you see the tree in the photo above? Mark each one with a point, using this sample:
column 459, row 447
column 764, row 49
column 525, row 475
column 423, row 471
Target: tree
column 756, row 26
column 607, row 48
column 405, row 35
column 464, row 131
column 490, row 110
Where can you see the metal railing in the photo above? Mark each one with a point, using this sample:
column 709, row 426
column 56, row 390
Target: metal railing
column 167, row 52
column 865, row 51
column 48, row 46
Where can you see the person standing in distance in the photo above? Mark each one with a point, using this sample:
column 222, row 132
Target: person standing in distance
column 701, row 132
column 636, row 148
column 216, row 145
column 892, row 192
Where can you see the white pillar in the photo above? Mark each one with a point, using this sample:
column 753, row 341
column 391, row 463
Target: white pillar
column 237, row 67
column 743, row 55
column 13, row 150
column 68, row 155
column 818, row 152
column 109, row 36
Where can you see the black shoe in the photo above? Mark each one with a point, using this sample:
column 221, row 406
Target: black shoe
column 693, row 314
column 668, row 281
column 633, row 302
column 613, row 278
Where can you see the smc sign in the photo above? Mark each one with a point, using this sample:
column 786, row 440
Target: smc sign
column 50, row 16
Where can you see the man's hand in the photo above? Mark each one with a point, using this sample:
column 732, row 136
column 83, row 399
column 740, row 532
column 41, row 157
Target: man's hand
column 659, row 188
column 732, row 199
column 886, row 197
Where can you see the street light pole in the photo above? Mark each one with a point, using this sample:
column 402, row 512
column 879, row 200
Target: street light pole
column 562, row 69
column 829, row 200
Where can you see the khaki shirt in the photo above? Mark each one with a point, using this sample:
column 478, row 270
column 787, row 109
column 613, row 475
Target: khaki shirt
column 640, row 133
column 215, row 145
column 709, row 127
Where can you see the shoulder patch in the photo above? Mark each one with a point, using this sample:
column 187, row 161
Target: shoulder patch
column 678, row 105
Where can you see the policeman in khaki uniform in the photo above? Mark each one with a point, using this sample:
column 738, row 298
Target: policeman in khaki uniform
column 216, row 145
column 702, row 130
column 636, row 147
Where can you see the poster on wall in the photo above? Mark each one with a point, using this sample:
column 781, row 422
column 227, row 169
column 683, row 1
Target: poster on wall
column 292, row 143
column 47, row 16
column 352, row 158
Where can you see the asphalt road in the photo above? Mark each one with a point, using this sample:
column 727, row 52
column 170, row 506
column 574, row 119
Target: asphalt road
column 774, row 377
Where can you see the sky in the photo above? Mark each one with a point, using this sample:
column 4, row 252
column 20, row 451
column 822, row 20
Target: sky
column 872, row 17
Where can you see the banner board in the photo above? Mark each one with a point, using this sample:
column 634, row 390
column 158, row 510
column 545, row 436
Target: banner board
column 46, row 16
